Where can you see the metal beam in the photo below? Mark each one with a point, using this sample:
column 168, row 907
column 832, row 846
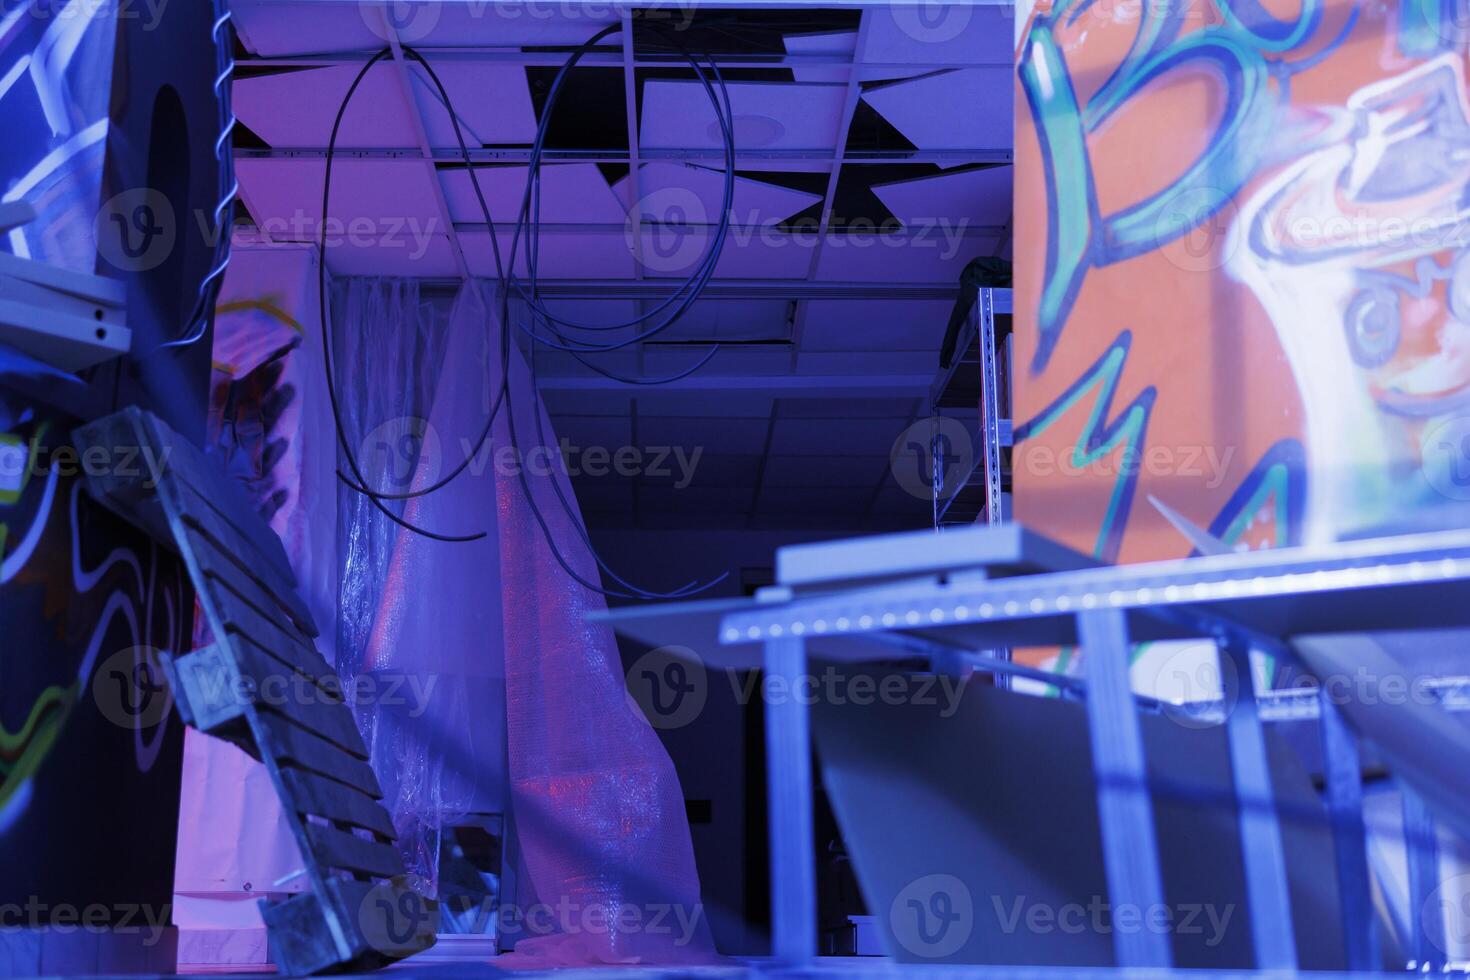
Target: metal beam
column 1343, row 770
column 785, row 385
column 712, row 156
column 1125, row 811
column 421, row 133
column 606, row 8
column 544, row 58
column 1262, row 852
column 844, row 127
column 789, row 803
column 734, row 289
column 1426, row 910
column 635, row 179
column 738, row 229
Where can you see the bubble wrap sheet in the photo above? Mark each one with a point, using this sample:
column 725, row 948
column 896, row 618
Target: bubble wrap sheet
column 595, row 800
column 597, row 803
column 416, row 636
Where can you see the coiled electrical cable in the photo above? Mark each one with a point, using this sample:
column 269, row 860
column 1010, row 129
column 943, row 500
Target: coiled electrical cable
column 528, row 224
column 222, row 34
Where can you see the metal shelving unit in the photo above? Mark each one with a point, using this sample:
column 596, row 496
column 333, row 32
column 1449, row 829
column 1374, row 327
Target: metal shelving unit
column 973, row 379
column 985, row 588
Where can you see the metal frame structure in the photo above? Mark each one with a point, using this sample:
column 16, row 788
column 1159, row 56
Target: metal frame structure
column 622, row 54
column 1246, row 601
column 995, row 429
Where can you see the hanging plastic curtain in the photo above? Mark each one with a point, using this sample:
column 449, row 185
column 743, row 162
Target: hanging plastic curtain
column 420, row 621
column 598, row 810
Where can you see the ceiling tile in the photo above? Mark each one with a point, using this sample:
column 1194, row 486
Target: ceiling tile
column 661, row 362
column 976, row 197
column 388, row 201
column 296, row 107
column 570, row 193
column 867, row 258
column 825, row 471
column 826, row 502
column 274, row 28
column 835, row 437
column 707, row 470
column 679, row 193
column 724, row 402
column 967, row 109
column 721, row 500
column 940, row 33
column 844, row 408
column 768, row 115
column 562, row 402
column 868, row 325
column 586, row 431
column 839, row 44
column 743, row 436
column 563, row 255
column 493, row 102
column 911, row 363
column 432, row 259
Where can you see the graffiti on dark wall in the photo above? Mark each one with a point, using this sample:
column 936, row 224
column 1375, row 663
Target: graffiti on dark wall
column 87, row 602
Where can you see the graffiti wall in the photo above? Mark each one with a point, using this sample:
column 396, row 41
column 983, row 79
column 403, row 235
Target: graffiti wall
column 56, row 65
column 1243, row 283
column 89, row 748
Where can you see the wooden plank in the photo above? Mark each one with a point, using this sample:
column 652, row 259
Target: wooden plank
column 303, row 936
column 287, row 742
column 194, row 501
column 239, row 617
column 247, row 597
column 123, row 488
column 186, row 463
column 261, row 663
column 246, row 593
column 263, row 588
column 309, row 793
column 339, row 849
column 392, row 920
column 316, row 716
column 298, row 700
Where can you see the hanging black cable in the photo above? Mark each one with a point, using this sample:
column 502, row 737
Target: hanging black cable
column 327, row 333
column 528, row 222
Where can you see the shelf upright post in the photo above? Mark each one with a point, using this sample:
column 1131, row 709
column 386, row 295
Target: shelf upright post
column 989, row 405
column 1125, row 812
column 1343, row 770
column 1267, row 894
column 937, row 456
column 1426, row 914
column 990, row 429
column 789, row 799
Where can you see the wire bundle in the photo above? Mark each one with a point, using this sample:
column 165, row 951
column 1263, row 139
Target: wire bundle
column 527, row 226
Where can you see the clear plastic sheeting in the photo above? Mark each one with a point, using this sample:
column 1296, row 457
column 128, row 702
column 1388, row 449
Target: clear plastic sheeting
column 513, row 686
column 421, row 677
column 599, row 813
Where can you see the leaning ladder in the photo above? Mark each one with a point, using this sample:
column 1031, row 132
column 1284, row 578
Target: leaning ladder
column 263, row 685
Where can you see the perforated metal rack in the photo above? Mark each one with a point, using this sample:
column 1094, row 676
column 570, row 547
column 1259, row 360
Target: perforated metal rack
column 1292, row 602
column 974, row 380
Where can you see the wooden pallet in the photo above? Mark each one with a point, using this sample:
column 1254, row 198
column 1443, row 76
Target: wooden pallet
column 263, row 685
